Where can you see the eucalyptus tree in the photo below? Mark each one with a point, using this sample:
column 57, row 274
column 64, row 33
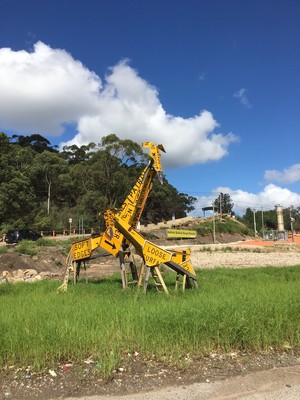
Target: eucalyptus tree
column 35, row 141
column 17, row 196
column 46, row 170
column 165, row 201
column 75, row 154
column 223, row 204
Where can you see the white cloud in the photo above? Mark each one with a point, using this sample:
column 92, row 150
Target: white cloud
column 242, row 96
column 266, row 199
column 288, row 175
column 47, row 88
column 42, row 90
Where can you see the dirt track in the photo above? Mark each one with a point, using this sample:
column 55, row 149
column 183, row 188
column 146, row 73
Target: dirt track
column 275, row 384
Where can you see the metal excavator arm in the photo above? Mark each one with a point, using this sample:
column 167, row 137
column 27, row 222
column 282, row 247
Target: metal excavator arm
column 153, row 256
column 132, row 208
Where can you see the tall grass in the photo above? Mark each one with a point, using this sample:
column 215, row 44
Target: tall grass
column 232, row 310
column 3, row 249
column 26, row 247
column 33, row 247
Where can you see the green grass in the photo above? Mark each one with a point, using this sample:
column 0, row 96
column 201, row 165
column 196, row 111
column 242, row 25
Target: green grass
column 26, row 247
column 46, row 242
column 248, row 310
column 32, row 248
column 3, row 249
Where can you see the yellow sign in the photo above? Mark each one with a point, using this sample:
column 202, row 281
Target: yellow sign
column 82, row 250
column 188, row 267
column 110, row 245
column 180, row 256
column 155, row 255
column 181, row 233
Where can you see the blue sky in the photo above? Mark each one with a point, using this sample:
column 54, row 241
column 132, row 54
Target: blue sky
column 216, row 81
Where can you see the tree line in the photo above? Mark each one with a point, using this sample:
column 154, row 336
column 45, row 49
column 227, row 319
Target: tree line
column 42, row 187
column 262, row 219
column 267, row 220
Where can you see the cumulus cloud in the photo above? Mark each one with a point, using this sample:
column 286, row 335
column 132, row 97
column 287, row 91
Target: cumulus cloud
column 266, row 199
column 47, row 88
column 42, row 90
column 288, row 175
column 241, row 94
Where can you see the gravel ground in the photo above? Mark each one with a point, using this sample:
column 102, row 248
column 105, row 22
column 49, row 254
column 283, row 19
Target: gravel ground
column 238, row 257
column 275, row 384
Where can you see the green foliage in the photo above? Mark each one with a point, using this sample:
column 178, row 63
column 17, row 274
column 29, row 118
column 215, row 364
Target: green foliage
column 42, row 242
column 204, row 229
column 42, row 188
column 17, row 199
column 37, row 142
column 161, row 204
column 26, row 247
column 223, row 225
column 44, row 222
column 247, row 310
column 223, row 204
column 3, row 249
column 75, row 155
column 266, row 218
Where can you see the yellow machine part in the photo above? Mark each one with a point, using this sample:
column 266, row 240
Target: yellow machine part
column 155, row 255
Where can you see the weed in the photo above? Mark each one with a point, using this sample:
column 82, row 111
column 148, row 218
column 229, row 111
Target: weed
column 248, row 309
column 26, row 247
column 233, row 248
column 44, row 242
column 3, row 249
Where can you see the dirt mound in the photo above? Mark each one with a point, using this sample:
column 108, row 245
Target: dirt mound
column 159, row 237
column 48, row 259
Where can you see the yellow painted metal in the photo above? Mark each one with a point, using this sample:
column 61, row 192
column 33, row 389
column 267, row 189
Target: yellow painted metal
column 111, row 241
column 155, row 154
column 187, row 265
column 180, row 256
column 155, row 255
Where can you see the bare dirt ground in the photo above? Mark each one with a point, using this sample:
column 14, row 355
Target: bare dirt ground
column 140, row 377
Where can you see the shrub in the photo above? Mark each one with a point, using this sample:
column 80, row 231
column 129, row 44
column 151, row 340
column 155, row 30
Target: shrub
column 3, row 249
column 26, row 247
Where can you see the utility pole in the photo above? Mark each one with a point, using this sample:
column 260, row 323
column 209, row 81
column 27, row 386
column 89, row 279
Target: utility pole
column 80, row 226
column 214, row 223
column 220, row 201
column 49, row 194
column 292, row 222
column 262, row 220
column 254, row 221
